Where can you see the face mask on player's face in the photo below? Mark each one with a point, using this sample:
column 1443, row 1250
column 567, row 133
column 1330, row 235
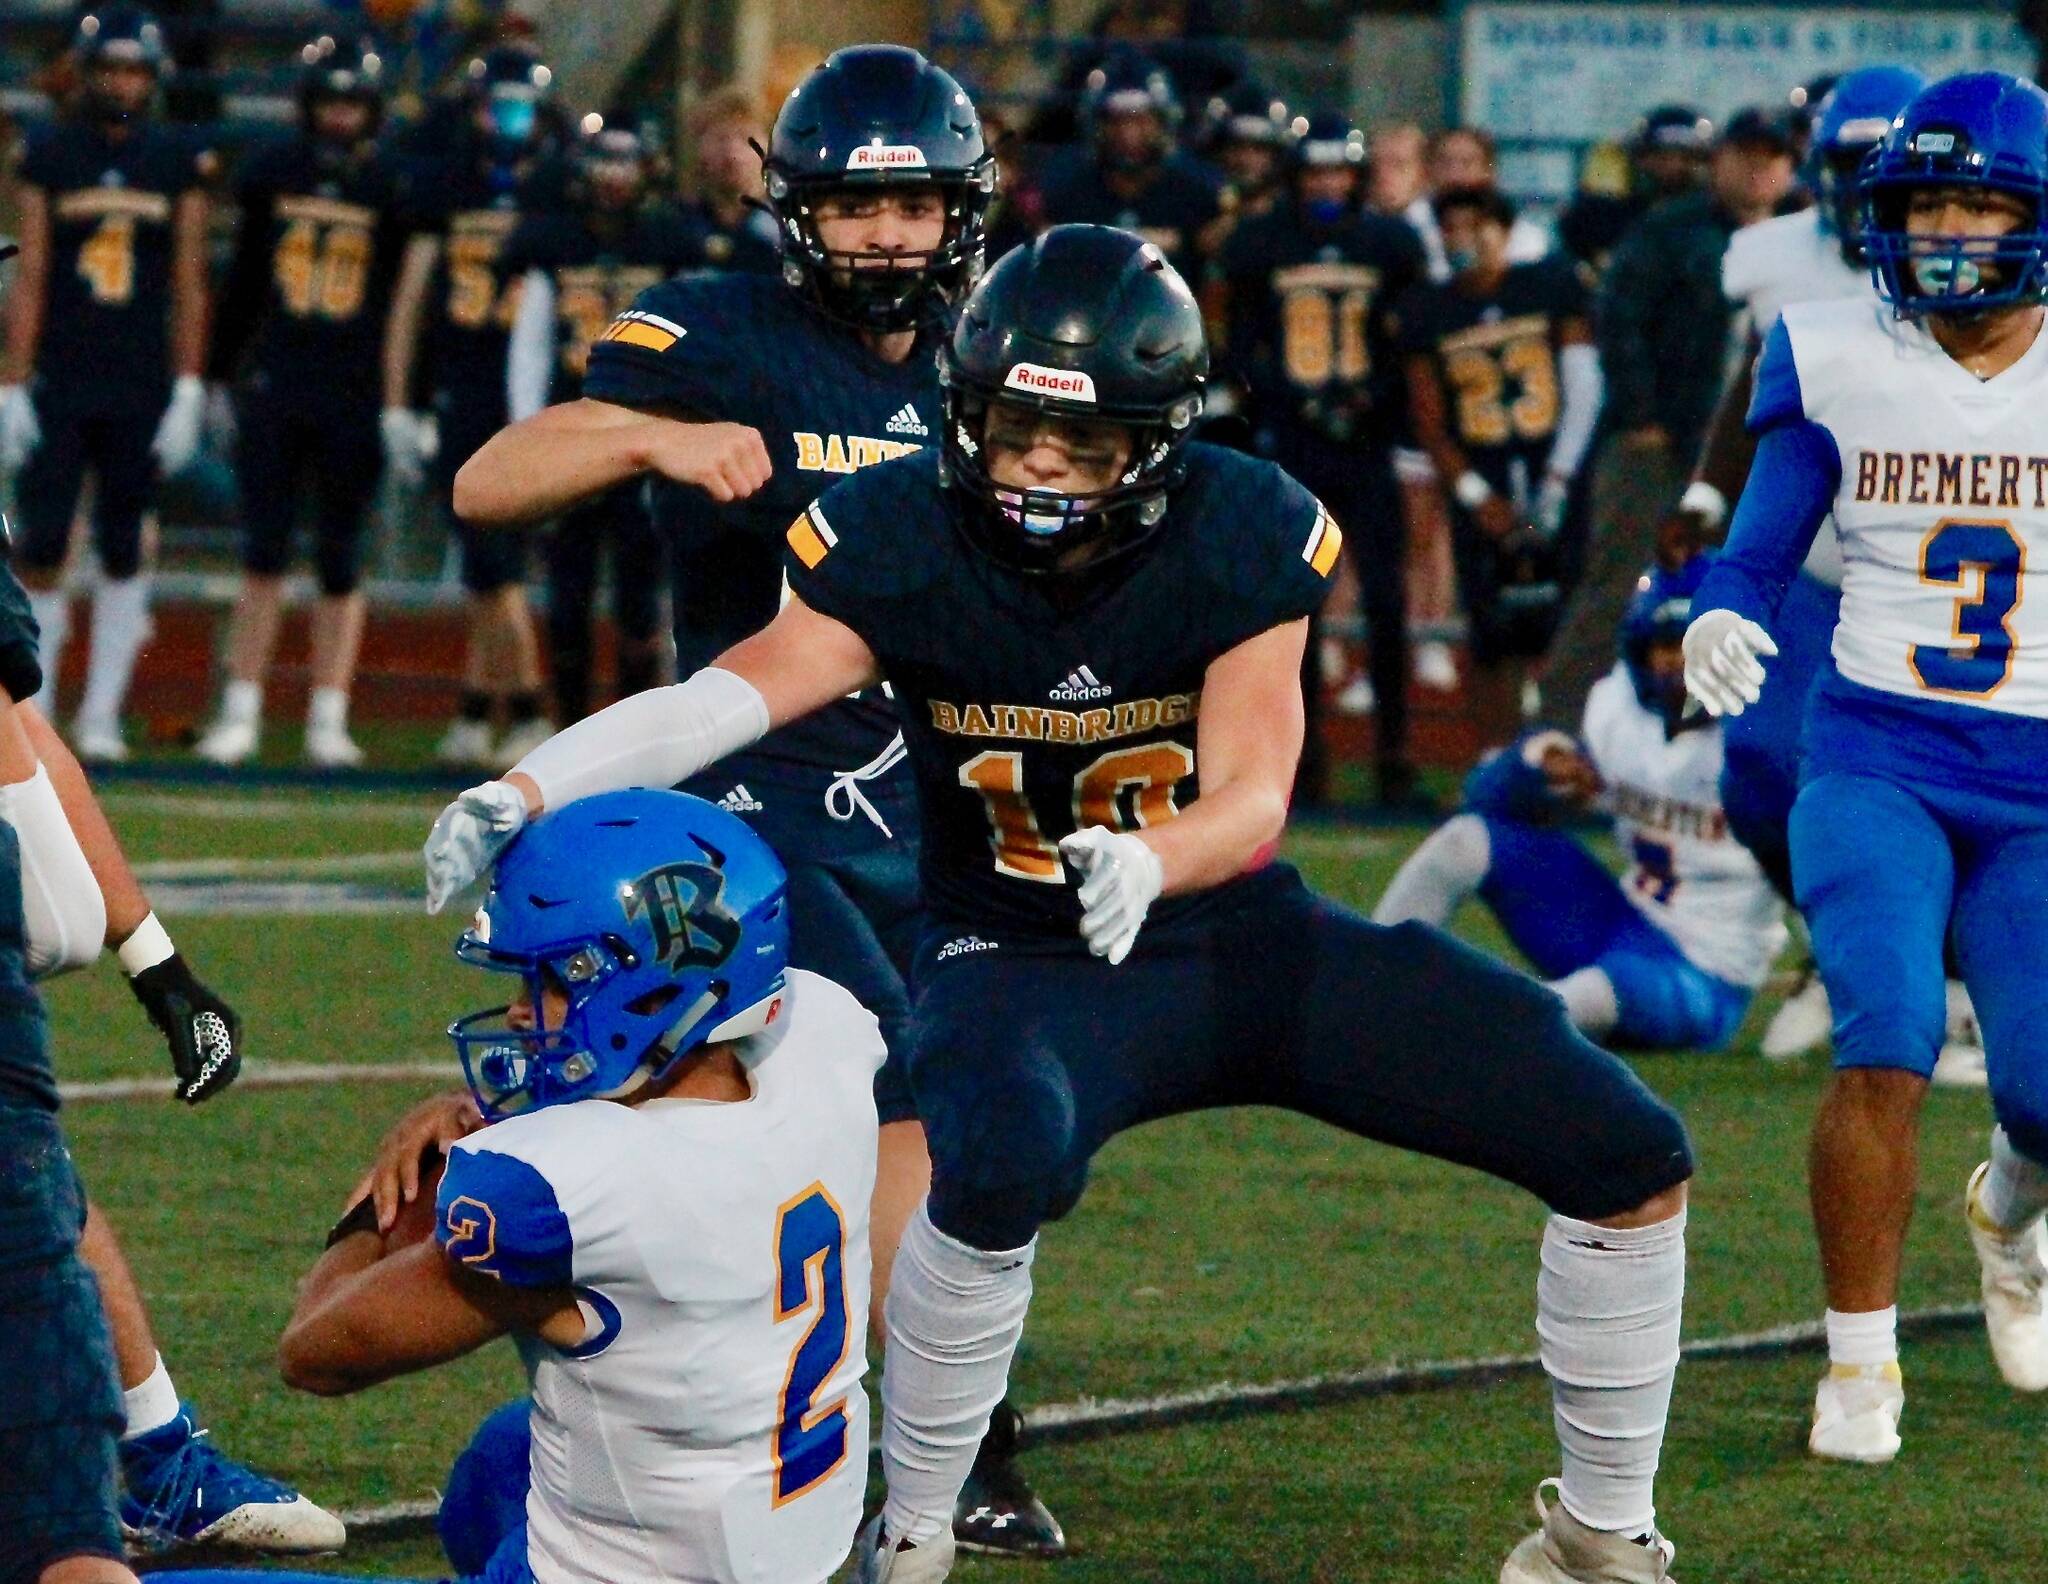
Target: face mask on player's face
column 1027, row 450
column 342, row 122
column 875, row 229
column 1473, row 242
column 1949, row 218
column 122, row 89
column 1327, row 191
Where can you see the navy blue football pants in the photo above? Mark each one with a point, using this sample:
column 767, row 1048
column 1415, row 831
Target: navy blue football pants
column 107, row 433
column 1026, row 1059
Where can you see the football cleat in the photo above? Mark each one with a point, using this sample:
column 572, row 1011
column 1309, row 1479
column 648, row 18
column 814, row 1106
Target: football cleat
column 183, row 1490
column 99, row 742
column 229, row 742
column 1434, row 667
column 1357, row 697
column 880, row 1560
column 1805, row 1022
column 998, row 1513
column 1856, row 1413
column 2014, row 1272
column 1565, row 1551
column 466, row 745
column 331, row 748
column 521, row 740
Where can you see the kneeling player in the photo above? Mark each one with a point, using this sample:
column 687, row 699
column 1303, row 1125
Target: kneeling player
column 1667, row 959
column 1069, row 521
column 669, row 1205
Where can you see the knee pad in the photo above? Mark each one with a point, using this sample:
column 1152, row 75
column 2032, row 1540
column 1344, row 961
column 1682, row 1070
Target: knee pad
column 1005, row 1155
column 338, row 562
column 1641, row 1148
column 2017, row 1057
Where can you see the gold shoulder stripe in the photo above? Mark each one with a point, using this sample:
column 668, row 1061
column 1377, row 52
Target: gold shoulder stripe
column 805, row 540
column 1325, row 539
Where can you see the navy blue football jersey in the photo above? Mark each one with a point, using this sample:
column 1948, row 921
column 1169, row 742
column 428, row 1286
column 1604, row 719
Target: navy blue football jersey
column 746, row 349
column 1027, row 717
column 1309, row 321
column 1497, row 358
column 112, row 203
column 598, row 275
column 748, row 245
column 316, row 257
column 1180, row 199
column 470, row 303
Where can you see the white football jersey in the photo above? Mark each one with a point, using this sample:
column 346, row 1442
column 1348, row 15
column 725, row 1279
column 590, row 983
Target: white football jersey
column 1772, row 264
column 1942, row 508
column 713, row 1429
column 1687, row 874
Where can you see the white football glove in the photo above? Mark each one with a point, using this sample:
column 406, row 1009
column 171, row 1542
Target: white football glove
column 405, row 445
column 20, row 433
column 1551, row 500
column 177, row 432
column 1723, row 669
column 1120, row 876
column 468, row 837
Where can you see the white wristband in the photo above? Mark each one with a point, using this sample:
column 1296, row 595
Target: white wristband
column 1471, row 490
column 1708, row 503
column 148, row 946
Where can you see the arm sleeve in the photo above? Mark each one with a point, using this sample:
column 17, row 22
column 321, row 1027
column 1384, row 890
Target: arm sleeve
column 64, row 913
column 1578, row 369
column 1508, row 785
column 1626, row 310
column 1791, row 488
column 530, row 358
column 652, row 739
column 497, row 1214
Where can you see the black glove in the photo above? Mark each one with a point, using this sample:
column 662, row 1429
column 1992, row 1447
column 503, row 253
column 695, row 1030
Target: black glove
column 203, row 1031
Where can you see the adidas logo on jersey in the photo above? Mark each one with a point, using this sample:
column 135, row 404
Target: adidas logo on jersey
column 907, row 422
column 740, row 801
column 1082, row 683
column 962, row 945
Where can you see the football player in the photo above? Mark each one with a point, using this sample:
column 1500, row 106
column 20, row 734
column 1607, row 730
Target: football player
column 1095, row 629
column 1811, row 256
column 1308, row 290
column 322, row 230
column 453, row 296
column 1669, row 956
column 105, row 347
column 1920, row 814
column 580, row 268
column 737, row 232
column 1504, row 390
column 787, row 385
column 1248, row 135
column 1126, row 170
column 668, row 1208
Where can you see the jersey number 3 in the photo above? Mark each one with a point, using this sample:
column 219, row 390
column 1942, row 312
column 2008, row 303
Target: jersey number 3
column 1985, row 562
column 810, row 1436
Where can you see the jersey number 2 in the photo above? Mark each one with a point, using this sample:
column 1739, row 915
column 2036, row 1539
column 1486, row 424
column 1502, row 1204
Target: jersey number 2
column 1980, row 659
column 1143, row 778
column 810, row 1437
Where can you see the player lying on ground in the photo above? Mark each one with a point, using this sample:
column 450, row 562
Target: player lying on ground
column 667, row 1210
column 1923, row 811
column 1068, row 521
column 78, row 893
column 1667, row 958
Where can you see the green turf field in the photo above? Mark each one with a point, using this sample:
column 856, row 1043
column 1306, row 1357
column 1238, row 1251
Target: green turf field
column 1246, row 1247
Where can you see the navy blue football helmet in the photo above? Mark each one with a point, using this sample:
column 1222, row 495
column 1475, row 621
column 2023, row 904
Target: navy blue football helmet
column 331, row 68
column 119, row 34
column 1983, row 130
column 658, row 915
column 1246, row 112
column 1128, row 83
column 1851, row 121
column 1658, row 613
column 510, row 83
column 1087, row 322
column 875, row 117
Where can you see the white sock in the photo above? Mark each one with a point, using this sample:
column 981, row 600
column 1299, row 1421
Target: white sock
column 120, row 627
column 955, row 1315
column 151, row 1405
column 1863, row 1339
column 241, row 703
column 327, row 710
column 52, row 611
column 2015, row 1191
column 1589, row 1001
column 1439, row 875
column 1607, row 1311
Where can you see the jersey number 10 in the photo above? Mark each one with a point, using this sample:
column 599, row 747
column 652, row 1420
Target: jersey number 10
column 810, row 1246
column 1131, row 787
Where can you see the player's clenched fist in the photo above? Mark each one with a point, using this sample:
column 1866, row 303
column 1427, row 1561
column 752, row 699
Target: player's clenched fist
column 727, row 461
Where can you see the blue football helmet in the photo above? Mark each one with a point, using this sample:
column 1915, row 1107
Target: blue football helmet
column 1984, row 130
column 1852, row 120
column 1658, row 613
column 658, row 915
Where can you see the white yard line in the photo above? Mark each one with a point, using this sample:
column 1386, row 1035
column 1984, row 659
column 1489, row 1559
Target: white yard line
column 288, row 867
column 322, row 809
column 269, row 1075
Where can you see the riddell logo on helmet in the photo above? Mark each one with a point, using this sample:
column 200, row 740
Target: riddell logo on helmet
column 886, row 156
column 1070, row 383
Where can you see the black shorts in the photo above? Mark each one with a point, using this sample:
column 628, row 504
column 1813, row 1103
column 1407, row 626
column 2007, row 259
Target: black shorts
column 1514, row 593
column 1026, row 1057
column 295, row 447
column 60, row 1395
column 105, row 432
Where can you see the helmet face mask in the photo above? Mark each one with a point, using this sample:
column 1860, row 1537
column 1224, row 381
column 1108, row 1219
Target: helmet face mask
column 883, row 290
column 507, row 87
column 123, row 60
column 1652, row 635
column 338, row 77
